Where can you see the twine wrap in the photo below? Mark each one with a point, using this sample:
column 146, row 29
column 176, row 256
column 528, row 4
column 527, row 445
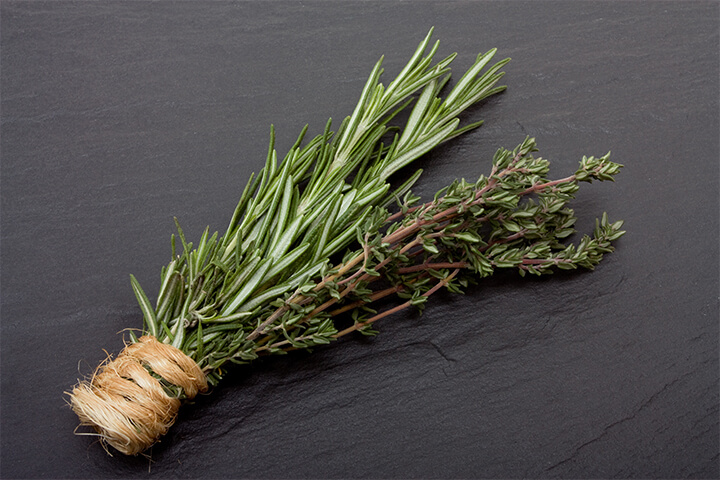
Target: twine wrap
column 127, row 406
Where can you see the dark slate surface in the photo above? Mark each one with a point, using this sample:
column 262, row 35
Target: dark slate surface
column 118, row 116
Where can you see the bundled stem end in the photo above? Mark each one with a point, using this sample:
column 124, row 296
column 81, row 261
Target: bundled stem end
column 128, row 406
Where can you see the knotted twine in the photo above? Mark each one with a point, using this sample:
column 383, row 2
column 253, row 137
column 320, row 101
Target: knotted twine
column 126, row 404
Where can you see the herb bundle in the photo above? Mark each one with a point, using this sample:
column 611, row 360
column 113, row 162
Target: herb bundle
column 267, row 286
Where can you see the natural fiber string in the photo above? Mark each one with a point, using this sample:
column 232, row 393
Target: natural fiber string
column 127, row 406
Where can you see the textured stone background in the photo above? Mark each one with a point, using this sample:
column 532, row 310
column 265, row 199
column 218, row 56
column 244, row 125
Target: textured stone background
column 117, row 116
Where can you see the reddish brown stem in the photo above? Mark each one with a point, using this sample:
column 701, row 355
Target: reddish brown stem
column 434, row 266
column 302, row 299
column 396, row 309
column 541, row 261
column 542, row 186
column 375, row 296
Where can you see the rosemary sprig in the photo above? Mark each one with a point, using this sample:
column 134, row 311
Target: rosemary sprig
column 217, row 298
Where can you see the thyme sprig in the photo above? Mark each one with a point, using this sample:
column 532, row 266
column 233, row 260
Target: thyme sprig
column 215, row 298
column 513, row 218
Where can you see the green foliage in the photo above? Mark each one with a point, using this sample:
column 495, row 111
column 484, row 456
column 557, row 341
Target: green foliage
column 514, row 218
column 267, row 285
column 297, row 213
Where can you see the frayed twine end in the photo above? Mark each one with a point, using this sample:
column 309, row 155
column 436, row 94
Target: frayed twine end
column 126, row 405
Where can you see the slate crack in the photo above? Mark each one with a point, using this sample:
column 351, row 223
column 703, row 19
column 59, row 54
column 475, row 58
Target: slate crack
column 612, row 425
column 442, row 353
column 448, row 359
